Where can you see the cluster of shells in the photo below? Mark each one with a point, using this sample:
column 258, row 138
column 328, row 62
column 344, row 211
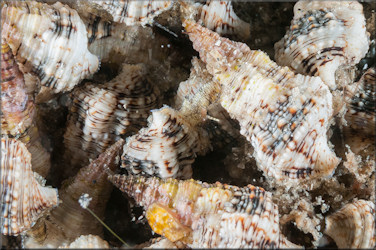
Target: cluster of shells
column 187, row 124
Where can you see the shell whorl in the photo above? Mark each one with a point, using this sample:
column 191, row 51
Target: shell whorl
column 23, row 196
column 275, row 108
column 353, row 226
column 205, row 215
column 55, row 49
column 322, row 37
column 102, row 113
column 88, row 241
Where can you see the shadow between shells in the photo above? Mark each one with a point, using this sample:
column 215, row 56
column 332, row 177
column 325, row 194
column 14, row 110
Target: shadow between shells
column 188, row 124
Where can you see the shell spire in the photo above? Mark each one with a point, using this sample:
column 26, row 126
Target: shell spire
column 203, row 215
column 55, row 49
column 23, row 196
column 91, row 180
column 284, row 116
column 322, row 37
column 18, row 111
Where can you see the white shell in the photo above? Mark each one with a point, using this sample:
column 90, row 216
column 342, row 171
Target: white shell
column 88, row 241
column 284, row 116
column 51, row 41
column 353, row 226
column 102, row 113
column 323, row 36
column 23, row 197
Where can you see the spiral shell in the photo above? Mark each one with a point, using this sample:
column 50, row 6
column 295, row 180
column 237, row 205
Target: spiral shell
column 362, row 106
column 55, row 49
column 166, row 148
column 322, row 37
column 129, row 12
column 220, row 17
column 206, row 215
column 101, row 114
column 353, row 226
column 284, row 116
column 23, row 195
column 88, row 241
column 70, row 220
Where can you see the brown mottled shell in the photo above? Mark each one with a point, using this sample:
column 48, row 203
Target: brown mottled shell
column 69, row 220
column 205, row 215
column 100, row 114
column 322, row 37
column 55, row 49
column 220, row 17
column 23, row 195
column 166, row 148
column 362, row 106
column 284, row 116
column 353, row 226
column 88, row 241
column 129, row 12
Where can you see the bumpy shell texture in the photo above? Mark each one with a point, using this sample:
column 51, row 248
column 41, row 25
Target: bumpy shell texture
column 353, row 226
column 23, row 199
column 323, row 36
column 166, row 148
column 100, row 114
column 88, row 241
column 362, row 106
column 284, row 116
column 206, row 215
column 51, row 41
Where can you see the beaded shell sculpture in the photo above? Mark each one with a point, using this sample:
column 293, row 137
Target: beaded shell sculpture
column 362, row 106
column 129, row 12
column 204, row 215
column 353, row 226
column 23, row 197
column 55, row 49
column 100, row 114
column 322, row 37
column 284, row 116
column 88, row 242
column 18, row 112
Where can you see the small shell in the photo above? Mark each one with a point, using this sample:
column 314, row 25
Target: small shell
column 88, row 241
column 353, row 226
column 23, row 195
column 69, row 220
column 322, row 37
column 206, row 215
column 166, row 148
column 55, row 49
column 362, row 107
column 284, row 116
column 100, row 114
column 129, row 12
column 220, row 17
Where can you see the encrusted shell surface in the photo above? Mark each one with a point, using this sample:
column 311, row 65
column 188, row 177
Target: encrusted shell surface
column 88, row 241
column 129, row 12
column 220, row 17
column 362, row 106
column 100, row 114
column 322, row 37
column 51, row 41
column 206, row 215
column 285, row 116
column 353, row 226
column 70, row 220
column 23, row 195
column 166, row 148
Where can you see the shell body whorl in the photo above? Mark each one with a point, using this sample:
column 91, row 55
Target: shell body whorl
column 205, row 215
column 275, row 108
column 51, row 41
column 23, row 198
column 322, row 37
